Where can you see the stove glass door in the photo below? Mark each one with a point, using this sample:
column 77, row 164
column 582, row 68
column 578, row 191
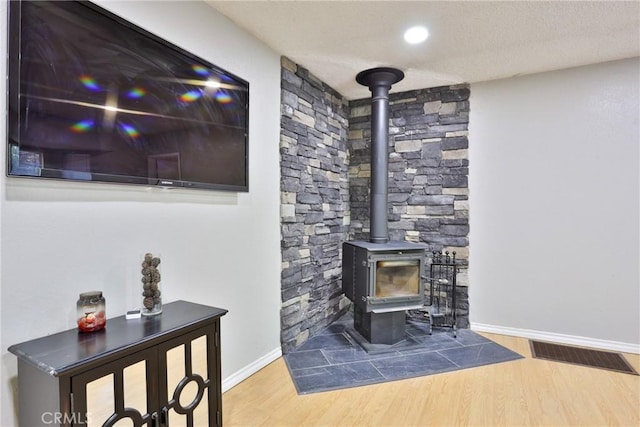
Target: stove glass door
column 397, row 278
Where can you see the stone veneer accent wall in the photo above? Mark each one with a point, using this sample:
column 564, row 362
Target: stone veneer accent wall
column 314, row 192
column 428, row 173
column 325, row 172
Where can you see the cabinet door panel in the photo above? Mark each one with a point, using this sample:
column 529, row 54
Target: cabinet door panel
column 135, row 386
column 189, row 380
column 120, row 393
column 100, row 400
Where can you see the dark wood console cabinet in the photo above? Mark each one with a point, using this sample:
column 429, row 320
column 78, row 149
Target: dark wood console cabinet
column 155, row 371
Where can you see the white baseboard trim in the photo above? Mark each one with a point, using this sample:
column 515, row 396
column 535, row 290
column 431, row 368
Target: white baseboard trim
column 558, row 338
column 244, row 373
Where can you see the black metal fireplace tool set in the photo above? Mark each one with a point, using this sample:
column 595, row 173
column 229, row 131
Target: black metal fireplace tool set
column 440, row 306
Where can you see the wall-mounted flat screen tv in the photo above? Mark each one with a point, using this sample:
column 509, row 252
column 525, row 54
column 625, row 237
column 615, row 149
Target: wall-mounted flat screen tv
column 93, row 97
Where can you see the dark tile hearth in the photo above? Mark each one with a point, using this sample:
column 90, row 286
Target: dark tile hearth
column 333, row 359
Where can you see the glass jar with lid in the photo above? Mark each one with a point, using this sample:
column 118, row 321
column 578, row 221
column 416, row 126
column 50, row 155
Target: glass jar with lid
column 91, row 311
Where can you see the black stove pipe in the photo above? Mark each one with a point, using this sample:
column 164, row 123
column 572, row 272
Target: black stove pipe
column 379, row 81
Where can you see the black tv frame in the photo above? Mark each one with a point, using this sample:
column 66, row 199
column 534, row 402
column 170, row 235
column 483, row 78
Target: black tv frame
column 15, row 107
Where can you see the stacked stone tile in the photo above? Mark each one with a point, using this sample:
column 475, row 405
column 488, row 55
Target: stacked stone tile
column 428, row 173
column 314, row 193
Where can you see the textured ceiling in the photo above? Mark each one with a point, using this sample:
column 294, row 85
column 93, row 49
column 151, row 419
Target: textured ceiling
column 469, row 41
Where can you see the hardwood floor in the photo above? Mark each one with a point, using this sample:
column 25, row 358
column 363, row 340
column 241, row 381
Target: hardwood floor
column 526, row 392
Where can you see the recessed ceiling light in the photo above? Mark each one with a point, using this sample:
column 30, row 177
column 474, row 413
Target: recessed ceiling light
column 415, row 35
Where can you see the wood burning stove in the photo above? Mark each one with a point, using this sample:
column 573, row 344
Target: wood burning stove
column 383, row 279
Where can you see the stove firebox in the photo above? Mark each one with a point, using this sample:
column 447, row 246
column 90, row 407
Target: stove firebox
column 383, row 280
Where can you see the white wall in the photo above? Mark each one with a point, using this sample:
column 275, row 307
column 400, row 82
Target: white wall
column 554, row 202
column 220, row 249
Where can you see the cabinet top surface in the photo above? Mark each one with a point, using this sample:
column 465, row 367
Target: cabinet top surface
column 68, row 351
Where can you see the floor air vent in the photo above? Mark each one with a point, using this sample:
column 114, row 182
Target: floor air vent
column 581, row 356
